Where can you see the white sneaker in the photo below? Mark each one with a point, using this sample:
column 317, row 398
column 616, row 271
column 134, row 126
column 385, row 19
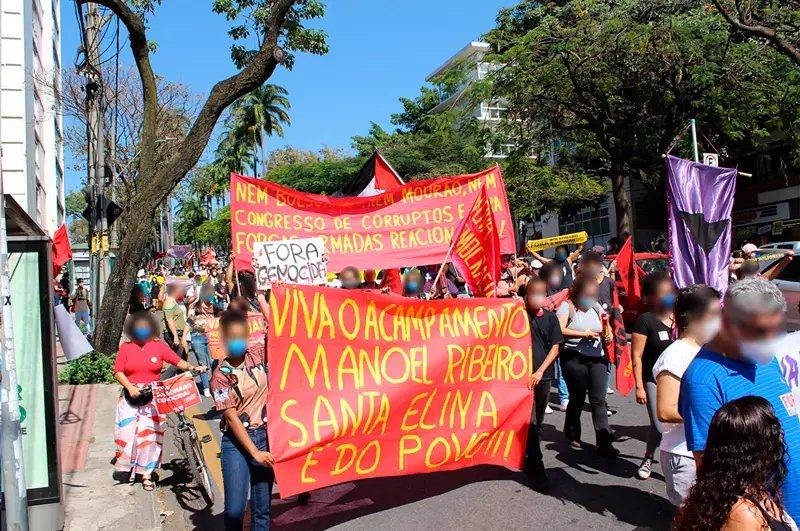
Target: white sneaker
column 547, row 409
column 563, row 405
column 609, row 391
column 645, row 468
column 207, row 392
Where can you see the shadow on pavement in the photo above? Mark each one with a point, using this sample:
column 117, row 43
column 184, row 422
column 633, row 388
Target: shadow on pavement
column 630, row 505
column 341, row 503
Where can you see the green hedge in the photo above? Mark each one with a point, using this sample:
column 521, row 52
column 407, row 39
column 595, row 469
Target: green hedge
column 92, row 368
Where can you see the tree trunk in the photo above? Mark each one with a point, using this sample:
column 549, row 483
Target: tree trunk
column 622, row 201
column 111, row 316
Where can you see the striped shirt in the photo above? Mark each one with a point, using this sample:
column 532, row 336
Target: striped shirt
column 712, row 380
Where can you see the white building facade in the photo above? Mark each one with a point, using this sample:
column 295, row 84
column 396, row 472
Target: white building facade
column 599, row 221
column 30, row 112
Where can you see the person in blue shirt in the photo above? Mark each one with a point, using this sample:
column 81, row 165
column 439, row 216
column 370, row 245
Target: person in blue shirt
column 740, row 361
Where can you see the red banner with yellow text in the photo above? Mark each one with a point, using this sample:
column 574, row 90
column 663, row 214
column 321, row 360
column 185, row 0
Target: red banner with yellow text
column 410, row 225
column 476, row 248
column 366, row 385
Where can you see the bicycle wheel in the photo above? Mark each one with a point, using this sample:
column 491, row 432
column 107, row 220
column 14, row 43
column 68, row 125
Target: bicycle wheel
column 197, row 464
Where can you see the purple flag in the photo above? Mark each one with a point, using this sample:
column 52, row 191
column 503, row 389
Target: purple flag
column 700, row 203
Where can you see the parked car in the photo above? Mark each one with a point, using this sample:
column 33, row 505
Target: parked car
column 788, row 281
column 794, row 246
column 645, row 263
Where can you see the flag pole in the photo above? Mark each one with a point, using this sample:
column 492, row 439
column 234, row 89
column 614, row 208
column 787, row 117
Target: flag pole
column 442, row 267
column 693, row 123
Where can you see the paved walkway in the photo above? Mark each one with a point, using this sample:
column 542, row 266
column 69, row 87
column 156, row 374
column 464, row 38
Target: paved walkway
column 94, row 498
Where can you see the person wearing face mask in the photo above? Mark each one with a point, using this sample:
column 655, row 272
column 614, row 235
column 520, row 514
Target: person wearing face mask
column 565, row 261
column 412, row 284
column 239, row 387
column 139, row 433
column 697, row 318
column 350, row 278
column 200, row 315
column 584, row 363
column 740, row 361
column 651, row 335
column 545, row 338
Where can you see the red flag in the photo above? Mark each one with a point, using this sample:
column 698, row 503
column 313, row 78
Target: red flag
column 476, row 248
column 385, row 176
column 62, row 250
column 621, row 349
column 626, row 266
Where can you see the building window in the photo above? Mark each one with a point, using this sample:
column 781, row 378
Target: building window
column 40, row 207
column 492, row 111
column 56, row 60
column 592, row 220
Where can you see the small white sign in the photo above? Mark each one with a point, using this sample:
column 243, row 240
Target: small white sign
column 711, row 159
column 299, row 261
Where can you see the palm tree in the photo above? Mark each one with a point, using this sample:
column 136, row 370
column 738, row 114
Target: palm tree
column 258, row 115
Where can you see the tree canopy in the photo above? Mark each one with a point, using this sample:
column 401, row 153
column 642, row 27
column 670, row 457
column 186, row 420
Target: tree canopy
column 615, row 81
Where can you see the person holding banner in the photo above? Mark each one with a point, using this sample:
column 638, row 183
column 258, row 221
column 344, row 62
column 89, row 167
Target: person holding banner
column 546, row 338
column 565, row 260
column 584, row 363
column 239, row 386
column 139, row 433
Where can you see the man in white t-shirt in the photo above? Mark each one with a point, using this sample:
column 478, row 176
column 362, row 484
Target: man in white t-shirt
column 697, row 317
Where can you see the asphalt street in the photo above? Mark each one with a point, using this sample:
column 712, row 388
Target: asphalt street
column 586, row 491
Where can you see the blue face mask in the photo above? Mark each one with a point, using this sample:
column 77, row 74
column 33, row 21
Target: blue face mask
column 586, row 302
column 208, row 298
column 142, row 333
column 561, row 256
column 667, row 301
column 236, row 347
column 412, row 287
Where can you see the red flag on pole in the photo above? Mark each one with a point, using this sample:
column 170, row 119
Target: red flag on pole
column 476, row 248
column 62, row 250
column 626, row 266
column 621, row 349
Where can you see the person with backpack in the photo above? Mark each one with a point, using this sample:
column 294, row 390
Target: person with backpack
column 584, row 363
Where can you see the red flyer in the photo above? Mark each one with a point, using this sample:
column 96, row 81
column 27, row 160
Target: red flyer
column 175, row 394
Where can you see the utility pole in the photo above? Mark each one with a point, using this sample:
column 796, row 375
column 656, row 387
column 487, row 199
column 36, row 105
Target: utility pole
column 15, row 490
column 96, row 163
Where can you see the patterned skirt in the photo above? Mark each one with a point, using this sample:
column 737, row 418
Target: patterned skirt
column 139, row 435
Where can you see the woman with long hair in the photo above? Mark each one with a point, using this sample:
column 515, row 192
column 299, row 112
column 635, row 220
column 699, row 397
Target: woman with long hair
column 139, row 433
column 584, row 363
column 651, row 335
column 739, row 484
column 697, row 318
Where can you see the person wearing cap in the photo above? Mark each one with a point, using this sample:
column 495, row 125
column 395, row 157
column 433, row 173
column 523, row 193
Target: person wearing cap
column 145, row 284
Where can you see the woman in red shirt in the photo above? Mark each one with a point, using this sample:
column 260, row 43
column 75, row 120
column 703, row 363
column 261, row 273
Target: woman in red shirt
column 139, row 433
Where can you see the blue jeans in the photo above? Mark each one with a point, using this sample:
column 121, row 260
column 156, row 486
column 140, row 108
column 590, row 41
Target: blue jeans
column 563, row 393
column 240, row 476
column 200, row 347
column 83, row 315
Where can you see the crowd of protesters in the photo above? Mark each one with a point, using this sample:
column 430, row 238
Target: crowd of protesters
column 704, row 370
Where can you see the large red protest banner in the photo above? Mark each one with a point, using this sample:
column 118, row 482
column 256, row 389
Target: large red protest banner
column 411, row 225
column 370, row 385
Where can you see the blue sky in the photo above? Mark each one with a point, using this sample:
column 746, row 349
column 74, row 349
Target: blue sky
column 379, row 50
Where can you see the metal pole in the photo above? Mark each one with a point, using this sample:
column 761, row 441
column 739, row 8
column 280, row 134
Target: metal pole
column 694, row 139
column 15, row 490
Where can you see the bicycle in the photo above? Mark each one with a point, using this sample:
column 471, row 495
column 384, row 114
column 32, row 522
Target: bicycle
column 190, row 446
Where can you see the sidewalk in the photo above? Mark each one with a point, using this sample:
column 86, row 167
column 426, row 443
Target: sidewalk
column 93, row 498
